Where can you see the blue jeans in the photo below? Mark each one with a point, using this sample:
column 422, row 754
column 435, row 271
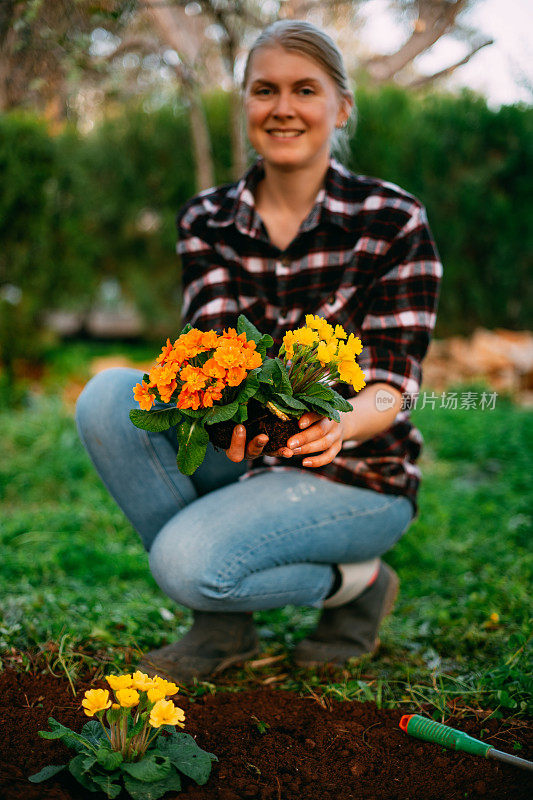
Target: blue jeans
column 216, row 543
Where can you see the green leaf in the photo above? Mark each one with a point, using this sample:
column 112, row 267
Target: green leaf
column 319, row 390
column 77, row 769
column 105, row 782
column 284, row 385
column 195, row 413
column 322, row 407
column 185, row 754
column 242, row 413
column 152, row 767
column 94, row 733
column 245, row 326
column 292, row 402
column 263, row 344
column 88, row 762
column 221, row 413
column 267, row 370
column 506, row 699
column 169, row 729
column 140, row 790
column 46, row 772
column 248, row 388
column 155, row 421
column 193, row 440
column 71, row 739
column 339, row 402
column 186, row 329
column 108, row 759
column 262, row 397
column 277, row 376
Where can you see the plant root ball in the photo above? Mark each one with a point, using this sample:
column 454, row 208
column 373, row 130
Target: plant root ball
column 260, row 420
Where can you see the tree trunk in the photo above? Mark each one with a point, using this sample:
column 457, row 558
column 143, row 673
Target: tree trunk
column 238, row 151
column 168, row 30
column 201, row 142
column 8, row 16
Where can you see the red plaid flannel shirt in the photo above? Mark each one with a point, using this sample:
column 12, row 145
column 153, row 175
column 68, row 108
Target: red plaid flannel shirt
column 364, row 258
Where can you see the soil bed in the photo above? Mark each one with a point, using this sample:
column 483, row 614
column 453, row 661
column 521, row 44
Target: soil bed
column 335, row 751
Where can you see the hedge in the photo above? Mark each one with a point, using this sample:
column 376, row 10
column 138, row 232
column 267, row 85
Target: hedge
column 75, row 209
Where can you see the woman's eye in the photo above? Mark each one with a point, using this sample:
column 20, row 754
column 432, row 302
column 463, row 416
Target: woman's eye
column 263, row 91
column 306, row 90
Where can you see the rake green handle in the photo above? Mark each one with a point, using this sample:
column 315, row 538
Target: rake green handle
column 431, row 731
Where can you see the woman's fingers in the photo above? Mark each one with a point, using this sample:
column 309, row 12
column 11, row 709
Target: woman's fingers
column 309, row 418
column 314, row 438
column 317, row 435
column 238, row 449
column 323, row 437
column 316, row 446
column 256, row 445
column 235, row 451
column 324, row 458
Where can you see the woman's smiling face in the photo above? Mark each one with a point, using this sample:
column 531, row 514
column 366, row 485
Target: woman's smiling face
column 292, row 108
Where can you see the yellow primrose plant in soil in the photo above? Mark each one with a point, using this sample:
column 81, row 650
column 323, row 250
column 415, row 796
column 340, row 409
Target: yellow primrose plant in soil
column 139, row 748
column 216, row 381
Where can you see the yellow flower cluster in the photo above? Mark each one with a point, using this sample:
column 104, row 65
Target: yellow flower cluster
column 127, row 690
column 200, row 381
column 327, row 346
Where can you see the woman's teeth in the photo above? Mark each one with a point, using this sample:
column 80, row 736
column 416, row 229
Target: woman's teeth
column 285, row 134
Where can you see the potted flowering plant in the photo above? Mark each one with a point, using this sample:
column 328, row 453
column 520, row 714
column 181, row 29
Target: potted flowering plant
column 213, row 382
column 299, row 379
column 205, row 378
column 139, row 746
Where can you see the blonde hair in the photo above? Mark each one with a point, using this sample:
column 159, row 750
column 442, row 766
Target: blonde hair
column 302, row 37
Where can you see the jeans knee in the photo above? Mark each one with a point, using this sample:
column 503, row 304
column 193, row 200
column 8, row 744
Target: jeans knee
column 103, row 396
column 186, row 575
column 215, row 589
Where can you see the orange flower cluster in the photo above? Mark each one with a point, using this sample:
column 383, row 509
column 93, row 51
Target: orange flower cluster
column 200, row 380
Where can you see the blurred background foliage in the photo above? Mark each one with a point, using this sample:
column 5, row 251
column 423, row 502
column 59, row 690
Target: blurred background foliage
column 114, row 112
column 79, row 209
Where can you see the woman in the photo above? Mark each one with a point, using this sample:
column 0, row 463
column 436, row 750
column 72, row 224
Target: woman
column 297, row 234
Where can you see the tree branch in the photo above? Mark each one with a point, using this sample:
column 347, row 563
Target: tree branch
column 423, row 81
column 435, row 18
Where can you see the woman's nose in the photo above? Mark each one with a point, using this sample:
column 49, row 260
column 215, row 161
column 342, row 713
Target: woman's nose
column 283, row 105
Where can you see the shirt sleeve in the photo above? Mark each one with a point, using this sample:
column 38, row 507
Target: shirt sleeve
column 400, row 319
column 209, row 300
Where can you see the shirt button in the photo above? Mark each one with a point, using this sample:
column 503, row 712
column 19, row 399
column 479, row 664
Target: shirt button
column 283, row 312
column 331, row 299
column 285, row 262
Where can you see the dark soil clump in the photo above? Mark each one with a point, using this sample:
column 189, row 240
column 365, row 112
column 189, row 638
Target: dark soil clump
column 304, row 750
column 260, row 420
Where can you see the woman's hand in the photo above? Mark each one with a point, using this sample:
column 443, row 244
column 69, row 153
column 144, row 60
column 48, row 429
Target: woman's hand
column 318, row 435
column 238, row 449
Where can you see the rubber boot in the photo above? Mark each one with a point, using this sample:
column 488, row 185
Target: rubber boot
column 214, row 642
column 350, row 630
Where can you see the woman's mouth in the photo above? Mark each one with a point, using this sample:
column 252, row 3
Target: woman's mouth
column 287, row 133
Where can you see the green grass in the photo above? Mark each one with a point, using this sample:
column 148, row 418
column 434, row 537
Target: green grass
column 78, row 595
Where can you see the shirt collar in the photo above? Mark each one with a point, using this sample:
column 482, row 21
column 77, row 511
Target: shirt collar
column 238, row 206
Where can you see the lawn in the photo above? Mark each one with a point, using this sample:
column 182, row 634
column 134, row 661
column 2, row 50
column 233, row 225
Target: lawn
column 77, row 592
